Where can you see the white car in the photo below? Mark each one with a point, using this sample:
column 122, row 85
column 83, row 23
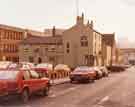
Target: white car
column 62, row 67
column 46, row 66
column 5, row 64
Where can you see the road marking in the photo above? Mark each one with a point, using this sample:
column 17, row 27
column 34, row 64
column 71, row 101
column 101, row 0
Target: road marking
column 106, row 98
column 63, row 92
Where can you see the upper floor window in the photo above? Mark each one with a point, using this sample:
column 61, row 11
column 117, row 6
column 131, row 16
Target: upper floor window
column 68, row 47
column 84, row 41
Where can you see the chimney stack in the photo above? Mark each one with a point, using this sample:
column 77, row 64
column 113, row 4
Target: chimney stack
column 53, row 31
column 92, row 24
column 80, row 19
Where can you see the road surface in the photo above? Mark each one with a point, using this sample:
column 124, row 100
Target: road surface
column 117, row 90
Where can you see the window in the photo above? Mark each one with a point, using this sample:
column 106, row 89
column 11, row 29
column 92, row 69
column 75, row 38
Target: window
column 8, row 75
column 26, row 75
column 36, row 50
column 39, row 60
column 68, row 47
column 68, row 51
column 34, row 75
column 84, row 41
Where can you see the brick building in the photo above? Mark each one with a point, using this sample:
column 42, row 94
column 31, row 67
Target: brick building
column 10, row 37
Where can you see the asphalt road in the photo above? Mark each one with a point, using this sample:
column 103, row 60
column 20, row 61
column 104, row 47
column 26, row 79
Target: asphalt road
column 117, row 90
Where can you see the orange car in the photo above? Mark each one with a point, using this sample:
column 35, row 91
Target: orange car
column 83, row 73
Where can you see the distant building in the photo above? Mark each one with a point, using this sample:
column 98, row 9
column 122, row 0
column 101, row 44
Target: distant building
column 127, row 55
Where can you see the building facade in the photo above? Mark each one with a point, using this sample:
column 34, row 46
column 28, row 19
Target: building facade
column 82, row 44
column 10, row 37
column 79, row 45
column 44, row 49
column 108, row 49
column 126, row 56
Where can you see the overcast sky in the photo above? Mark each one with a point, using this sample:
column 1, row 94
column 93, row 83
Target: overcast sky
column 108, row 15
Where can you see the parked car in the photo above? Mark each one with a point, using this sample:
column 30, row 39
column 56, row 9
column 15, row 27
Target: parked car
column 116, row 68
column 45, row 66
column 26, row 65
column 62, row 67
column 83, row 73
column 22, row 83
column 43, row 69
column 99, row 73
column 105, row 72
column 4, row 64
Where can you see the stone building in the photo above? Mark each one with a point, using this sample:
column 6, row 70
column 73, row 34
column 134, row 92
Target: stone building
column 82, row 44
column 38, row 49
column 108, row 49
column 126, row 56
column 79, row 45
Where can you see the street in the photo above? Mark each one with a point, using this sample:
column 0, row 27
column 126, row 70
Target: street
column 117, row 90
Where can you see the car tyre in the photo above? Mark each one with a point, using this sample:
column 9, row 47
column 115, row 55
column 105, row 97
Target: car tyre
column 46, row 91
column 71, row 80
column 25, row 95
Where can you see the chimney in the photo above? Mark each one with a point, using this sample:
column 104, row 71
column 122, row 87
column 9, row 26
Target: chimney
column 80, row 19
column 88, row 23
column 53, row 31
column 92, row 24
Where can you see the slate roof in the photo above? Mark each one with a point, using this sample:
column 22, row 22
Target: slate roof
column 43, row 40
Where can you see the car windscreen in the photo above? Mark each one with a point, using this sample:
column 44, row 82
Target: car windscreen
column 8, row 75
column 82, row 69
column 4, row 65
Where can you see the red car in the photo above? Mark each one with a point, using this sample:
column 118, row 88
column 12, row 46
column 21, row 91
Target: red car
column 22, row 83
column 83, row 73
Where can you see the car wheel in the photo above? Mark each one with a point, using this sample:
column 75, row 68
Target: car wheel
column 25, row 95
column 71, row 80
column 92, row 80
column 46, row 91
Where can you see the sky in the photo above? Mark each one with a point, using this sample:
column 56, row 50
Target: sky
column 108, row 15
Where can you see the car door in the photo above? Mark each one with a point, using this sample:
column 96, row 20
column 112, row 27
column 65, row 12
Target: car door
column 38, row 83
column 27, row 81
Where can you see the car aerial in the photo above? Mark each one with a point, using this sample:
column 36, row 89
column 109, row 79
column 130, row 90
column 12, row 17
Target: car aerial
column 83, row 73
column 23, row 83
column 104, row 71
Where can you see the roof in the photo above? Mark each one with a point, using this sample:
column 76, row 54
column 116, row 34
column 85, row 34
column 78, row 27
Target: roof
column 2, row 26
column 108, row 38
column 42, row 40
column 58, row 31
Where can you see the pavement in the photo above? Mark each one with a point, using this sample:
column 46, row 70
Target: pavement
column 60, row 81
column 117, row 90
